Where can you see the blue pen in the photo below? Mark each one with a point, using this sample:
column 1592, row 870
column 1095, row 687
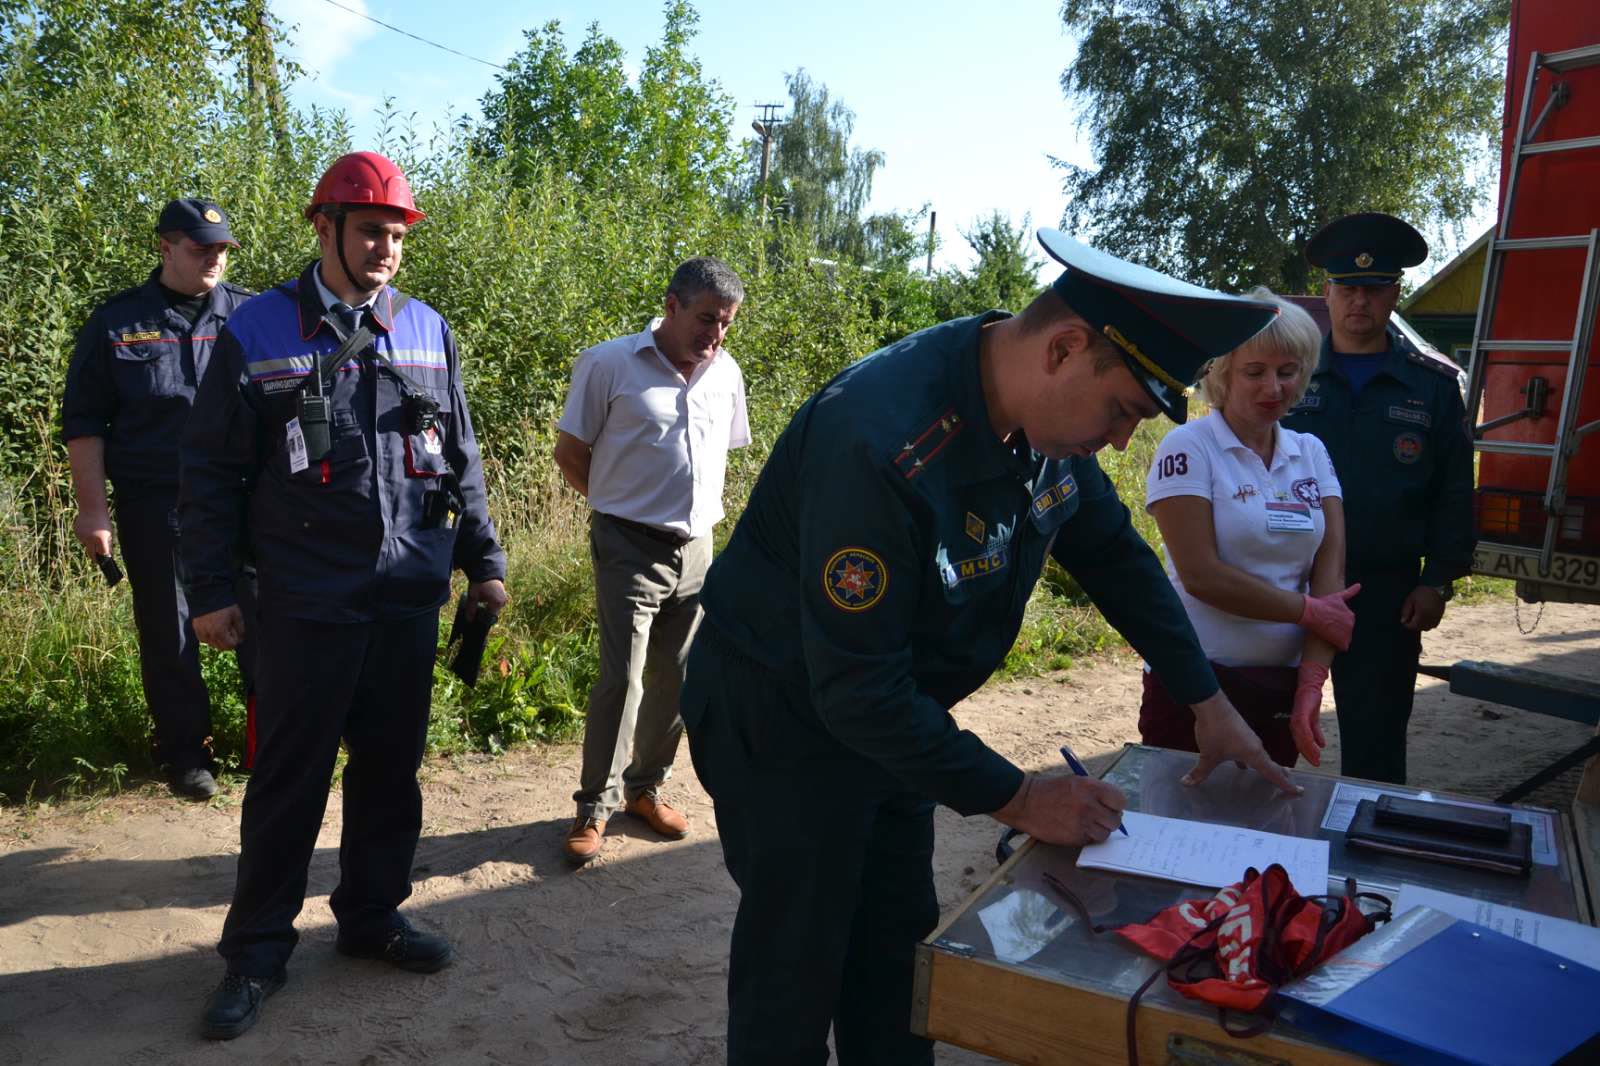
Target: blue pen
column 1077, row 768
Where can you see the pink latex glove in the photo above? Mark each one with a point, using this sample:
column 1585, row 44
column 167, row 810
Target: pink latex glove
column 1330, row 617
column 1305, row 721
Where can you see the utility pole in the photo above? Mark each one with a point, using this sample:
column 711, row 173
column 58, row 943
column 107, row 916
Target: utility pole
column 766, row 126
column 933, row 221
column 261, row 77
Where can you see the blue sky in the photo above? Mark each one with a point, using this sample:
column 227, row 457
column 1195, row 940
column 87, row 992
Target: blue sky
column 963, row 98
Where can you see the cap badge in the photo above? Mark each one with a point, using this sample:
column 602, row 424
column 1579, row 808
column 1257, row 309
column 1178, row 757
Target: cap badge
column 1363, row 260
column 212, row 215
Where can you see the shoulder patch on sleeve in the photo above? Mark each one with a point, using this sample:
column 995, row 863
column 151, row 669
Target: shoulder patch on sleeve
column 854, row 579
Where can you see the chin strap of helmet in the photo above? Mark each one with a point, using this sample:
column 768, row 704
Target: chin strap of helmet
column 337, row 213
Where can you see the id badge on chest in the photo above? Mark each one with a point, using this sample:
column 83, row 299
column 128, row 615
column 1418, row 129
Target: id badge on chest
column 1283, row 517
column 295, row 443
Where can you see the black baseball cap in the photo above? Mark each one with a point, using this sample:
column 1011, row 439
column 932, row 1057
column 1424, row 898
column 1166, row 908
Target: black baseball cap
column 200, row 220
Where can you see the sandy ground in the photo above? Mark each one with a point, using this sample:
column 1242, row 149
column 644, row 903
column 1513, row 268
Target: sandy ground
column 109, row 910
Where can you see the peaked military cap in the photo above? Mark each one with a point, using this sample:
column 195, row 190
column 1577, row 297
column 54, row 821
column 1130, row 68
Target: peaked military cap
column 1369, row 248
column 200, row 220
column 1166, row 329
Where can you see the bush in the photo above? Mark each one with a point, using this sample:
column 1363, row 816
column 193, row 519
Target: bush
column 109, row 109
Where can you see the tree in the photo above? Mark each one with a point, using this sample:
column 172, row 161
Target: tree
column 578, row 115
column 822, row 184
column 1006, row 274
column 570, row 113
column 1228, row 131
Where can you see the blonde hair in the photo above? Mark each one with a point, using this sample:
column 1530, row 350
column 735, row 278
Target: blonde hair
column 1293, row 332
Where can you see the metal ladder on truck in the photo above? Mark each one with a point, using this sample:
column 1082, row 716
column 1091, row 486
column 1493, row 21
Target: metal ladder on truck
column 1562, row 697
column 1568, row 433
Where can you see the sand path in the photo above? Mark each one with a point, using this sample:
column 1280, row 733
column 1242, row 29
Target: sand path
column 109, row 910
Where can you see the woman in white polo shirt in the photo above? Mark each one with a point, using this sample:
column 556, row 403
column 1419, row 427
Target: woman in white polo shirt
column 1253, row 521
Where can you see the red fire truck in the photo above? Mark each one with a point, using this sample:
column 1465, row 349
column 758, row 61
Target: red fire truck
column 1534, row 383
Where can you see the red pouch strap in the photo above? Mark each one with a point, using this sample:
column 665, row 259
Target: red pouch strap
column 1235, row 949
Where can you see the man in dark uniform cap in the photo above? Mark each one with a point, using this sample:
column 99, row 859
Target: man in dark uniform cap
column 333, row 437
column 129, row 391
column 876, row 578
column 1394, row 424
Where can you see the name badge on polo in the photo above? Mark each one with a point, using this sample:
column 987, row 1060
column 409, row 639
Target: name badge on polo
column 1287, row 517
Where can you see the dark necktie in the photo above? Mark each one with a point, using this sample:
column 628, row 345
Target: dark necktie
column 349, row 317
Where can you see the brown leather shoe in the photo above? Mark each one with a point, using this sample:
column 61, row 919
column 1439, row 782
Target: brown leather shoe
column 658, row 816
column 583, row 839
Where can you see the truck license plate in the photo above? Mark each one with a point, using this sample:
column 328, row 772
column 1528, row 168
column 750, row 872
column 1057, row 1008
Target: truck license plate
column 1576, row 571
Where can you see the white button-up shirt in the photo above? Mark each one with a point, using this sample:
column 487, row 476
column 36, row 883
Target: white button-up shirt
column 1267, row 523
column 660, row 443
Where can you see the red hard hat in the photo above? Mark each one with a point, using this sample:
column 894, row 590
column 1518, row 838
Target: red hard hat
column 364, row 179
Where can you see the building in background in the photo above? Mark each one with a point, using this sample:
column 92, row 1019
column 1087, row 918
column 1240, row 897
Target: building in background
column 1444, row 308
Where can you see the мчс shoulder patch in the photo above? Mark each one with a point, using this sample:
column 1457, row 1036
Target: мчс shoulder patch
column 854, row 579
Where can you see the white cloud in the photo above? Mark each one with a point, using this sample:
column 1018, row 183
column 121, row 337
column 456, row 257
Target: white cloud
column 321, row 35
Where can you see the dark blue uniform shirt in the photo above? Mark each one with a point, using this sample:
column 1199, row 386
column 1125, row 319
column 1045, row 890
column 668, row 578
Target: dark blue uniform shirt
column 342, row 540
column 1404, row 459
column 884, row 560
column 133, row 378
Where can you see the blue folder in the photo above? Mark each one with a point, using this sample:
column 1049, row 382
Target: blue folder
column 1433, row 990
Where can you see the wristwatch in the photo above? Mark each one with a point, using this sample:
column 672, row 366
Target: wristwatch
column 1445, row 591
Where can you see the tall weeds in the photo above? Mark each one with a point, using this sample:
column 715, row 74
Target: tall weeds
column 100, row 125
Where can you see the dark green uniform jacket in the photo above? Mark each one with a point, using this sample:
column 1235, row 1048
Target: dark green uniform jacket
column 1404, row 459
column 886, row 554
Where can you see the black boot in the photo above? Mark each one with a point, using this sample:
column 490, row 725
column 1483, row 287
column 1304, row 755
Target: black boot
column 236, row 1004
column 194, row 783
column 404, row 945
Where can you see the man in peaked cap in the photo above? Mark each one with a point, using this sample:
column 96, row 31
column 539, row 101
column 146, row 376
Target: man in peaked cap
column 129, row 392
column 877, row 577
column 1395, row 426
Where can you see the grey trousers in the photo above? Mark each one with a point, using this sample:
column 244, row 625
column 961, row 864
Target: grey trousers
column 647, row 604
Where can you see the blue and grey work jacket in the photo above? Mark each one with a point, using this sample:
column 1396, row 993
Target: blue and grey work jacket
column 343, row 539
column 133, row 377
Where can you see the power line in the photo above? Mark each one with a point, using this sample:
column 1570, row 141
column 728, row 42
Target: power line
column 414, row 37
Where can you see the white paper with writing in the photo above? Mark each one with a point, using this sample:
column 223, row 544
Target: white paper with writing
column 1202, row 853
column 1572, row 940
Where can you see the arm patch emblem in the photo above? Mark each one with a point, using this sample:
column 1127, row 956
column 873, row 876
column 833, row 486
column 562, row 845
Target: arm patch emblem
column 854, row 579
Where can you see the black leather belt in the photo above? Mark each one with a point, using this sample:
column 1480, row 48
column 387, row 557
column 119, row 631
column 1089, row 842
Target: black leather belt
column 665, row 536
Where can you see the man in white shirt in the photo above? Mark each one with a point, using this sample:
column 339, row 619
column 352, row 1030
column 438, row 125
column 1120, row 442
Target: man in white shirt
column 645, row 437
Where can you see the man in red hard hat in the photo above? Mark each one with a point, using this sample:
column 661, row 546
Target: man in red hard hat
column 337, row 451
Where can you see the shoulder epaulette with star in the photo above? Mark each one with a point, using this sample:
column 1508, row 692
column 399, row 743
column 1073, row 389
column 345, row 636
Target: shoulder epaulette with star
column 920, row 450
column 1436, row 363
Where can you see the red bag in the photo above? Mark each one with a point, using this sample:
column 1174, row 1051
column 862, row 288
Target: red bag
column 1234, row 949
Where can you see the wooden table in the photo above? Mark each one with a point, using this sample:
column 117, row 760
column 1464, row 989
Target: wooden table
column 1055, row 992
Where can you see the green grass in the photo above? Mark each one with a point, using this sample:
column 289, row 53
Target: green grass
column 72, row 720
